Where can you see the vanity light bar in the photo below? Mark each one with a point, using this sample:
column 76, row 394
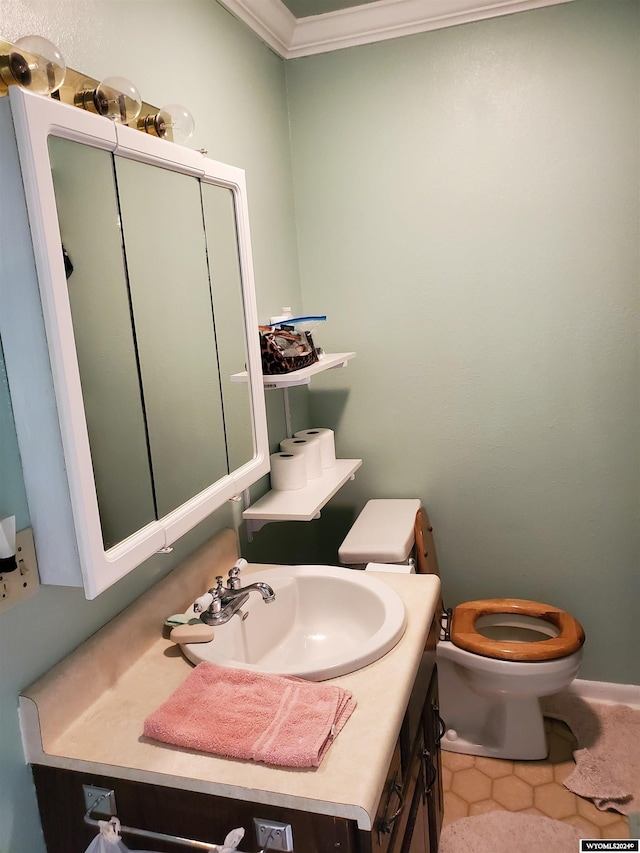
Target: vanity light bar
column 173, row 121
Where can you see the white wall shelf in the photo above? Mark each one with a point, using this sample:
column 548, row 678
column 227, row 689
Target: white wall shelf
column 300, row 504
column 302, row 376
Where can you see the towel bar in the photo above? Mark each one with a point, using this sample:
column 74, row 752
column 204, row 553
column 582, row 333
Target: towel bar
column 160, row 836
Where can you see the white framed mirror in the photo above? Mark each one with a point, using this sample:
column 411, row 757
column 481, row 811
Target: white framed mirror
column 145, row 282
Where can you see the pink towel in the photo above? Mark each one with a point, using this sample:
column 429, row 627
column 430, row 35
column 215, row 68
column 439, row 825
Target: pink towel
column 250, row 715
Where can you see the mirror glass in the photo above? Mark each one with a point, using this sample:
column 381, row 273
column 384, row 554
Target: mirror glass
column 166, row 256
column 104, row 339
column 224, row 271
column 157, row 310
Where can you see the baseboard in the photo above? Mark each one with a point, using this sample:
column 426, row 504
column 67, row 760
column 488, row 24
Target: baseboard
column 608, row 692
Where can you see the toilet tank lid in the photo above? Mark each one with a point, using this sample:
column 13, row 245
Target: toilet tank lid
column 382, row 533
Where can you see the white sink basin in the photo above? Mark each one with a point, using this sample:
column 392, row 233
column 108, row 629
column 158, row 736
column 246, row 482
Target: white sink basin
column 325, row 621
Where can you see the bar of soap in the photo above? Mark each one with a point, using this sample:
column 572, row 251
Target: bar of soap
column 199, row 633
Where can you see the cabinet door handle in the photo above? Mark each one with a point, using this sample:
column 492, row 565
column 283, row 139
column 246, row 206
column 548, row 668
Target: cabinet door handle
column 430, row 772
column 442, row 726
column 386, row 823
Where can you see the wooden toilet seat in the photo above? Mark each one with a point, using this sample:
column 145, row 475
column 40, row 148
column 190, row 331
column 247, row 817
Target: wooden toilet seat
column 465, row 636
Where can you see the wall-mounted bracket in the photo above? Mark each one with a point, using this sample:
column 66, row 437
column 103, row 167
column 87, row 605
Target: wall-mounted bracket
column 253, row 525
column 273, row 835
column 100, row 801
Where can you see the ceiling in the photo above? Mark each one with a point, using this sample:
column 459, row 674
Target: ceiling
column 294, row 28
column 305, row 8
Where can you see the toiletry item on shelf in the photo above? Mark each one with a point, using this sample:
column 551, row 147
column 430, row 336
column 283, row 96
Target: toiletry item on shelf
column 327, row 443
column 284, row 351
column 281, row 318
column 306, row 326
column 288, row 471
column 301, row 324
column 310, row 449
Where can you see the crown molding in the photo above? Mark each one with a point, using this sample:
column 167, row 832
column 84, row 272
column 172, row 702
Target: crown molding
column 293, row 37
column 269, row 19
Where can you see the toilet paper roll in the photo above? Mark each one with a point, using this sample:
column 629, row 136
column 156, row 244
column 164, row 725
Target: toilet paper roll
column 288, row 471
column 327, row 443
column 310, row 449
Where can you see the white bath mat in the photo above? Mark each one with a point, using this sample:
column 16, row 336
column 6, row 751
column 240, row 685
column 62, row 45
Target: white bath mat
column 509, row 832
column 608, row 755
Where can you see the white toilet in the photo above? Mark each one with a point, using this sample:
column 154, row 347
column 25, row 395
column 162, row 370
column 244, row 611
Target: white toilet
column 495, row 658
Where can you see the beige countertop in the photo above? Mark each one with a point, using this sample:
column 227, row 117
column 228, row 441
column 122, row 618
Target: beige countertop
column 87, row 713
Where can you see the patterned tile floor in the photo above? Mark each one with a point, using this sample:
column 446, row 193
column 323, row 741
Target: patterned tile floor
column 475, row 785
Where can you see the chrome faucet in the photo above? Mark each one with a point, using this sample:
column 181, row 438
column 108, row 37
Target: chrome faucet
column 226, row 601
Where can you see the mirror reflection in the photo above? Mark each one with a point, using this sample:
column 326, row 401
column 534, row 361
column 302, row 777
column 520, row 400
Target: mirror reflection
column 158, row 320
column 104, row 339
column 226, row 286
column 172, row 310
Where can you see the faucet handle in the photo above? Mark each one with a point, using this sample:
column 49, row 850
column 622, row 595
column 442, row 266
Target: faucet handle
column 234, row 573
column 202, row 602
column 215, row 594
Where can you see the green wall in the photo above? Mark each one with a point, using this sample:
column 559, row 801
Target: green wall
column 467, row 213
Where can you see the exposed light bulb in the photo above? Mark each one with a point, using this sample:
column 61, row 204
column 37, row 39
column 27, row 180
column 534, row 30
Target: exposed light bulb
column 115, row 98
column 34, row 63
column 173, row 122
column 178, row 120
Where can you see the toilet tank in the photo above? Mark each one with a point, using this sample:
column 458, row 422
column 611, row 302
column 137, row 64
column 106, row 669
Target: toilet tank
column 382, row 533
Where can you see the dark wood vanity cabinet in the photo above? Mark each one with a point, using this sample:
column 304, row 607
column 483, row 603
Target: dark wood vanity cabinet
column 176, row 812
column 408, row 819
